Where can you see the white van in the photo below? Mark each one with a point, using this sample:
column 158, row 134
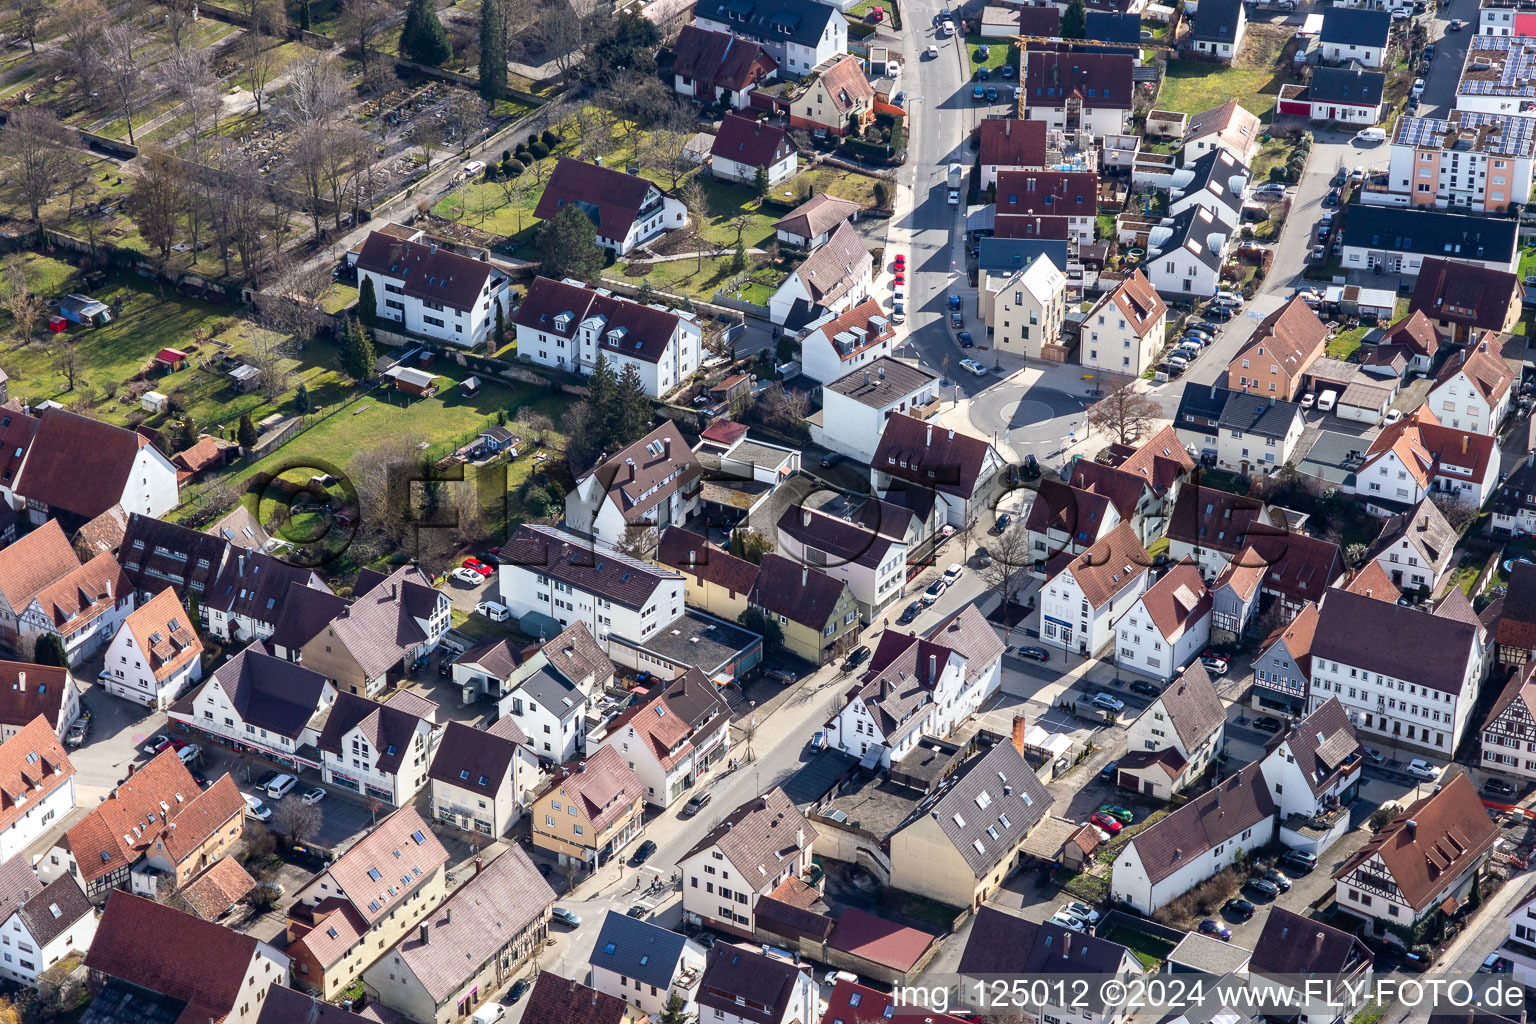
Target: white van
column 1325, row 400
column 279, row 787
column 254, row 808
column 1371, row 135
column 189, row 753
column 490, row 1013
column 494, row 610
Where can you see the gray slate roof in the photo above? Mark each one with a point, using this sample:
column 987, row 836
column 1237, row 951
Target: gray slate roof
column 1256, row 414
column 552, row 691
column 637, row 949
column 993, row 802
column 270, row 693
column 1193, row 706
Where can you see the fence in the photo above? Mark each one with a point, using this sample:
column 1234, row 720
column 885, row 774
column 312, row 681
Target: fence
column 454, row 78
column 314, row 40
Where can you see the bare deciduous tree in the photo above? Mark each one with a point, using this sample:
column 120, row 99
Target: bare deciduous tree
column 178, row 20
column 429, row 137
column 264, row 18
column 157, row 199
column 34, row 145
column 66, row 363
column 119, row 58
column 563, row 35
column 1124, row 413
column 78, row 23
column 696, row 202
column 296, row 819
column 25, row 307
column 360, row 21
column 30, row 17
column 1009, row 572
column 316, row 92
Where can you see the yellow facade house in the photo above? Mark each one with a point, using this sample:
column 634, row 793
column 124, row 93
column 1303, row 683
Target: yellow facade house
column 591, row 810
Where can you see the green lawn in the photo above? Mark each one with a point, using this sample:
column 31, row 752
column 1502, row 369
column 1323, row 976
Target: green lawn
column 999, row 52
column 1347, row 343
column 1192, row 86
column 1527, row 262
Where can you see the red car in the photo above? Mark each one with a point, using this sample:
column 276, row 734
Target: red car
column 900, row 260
column 479, row 566
column 1107, row 823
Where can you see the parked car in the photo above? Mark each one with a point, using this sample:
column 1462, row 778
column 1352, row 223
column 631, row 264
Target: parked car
column 831, row 459
column 566, row 917
column 909, row 613
column 1108, row 702
column 1422, row 769
column 957, row 320
column 1034, row 653
column 518, row 990
column 856, row 658
column 1119, row 813
column 1299, row 862
column 1066, row 921
column 1262, row 887
column 695, row 804
column 1108, row 772
column 1215, row 929
column 1456, row 25
column 1214, row 665
column 254, row 808
column 978, row 93
column 1277, row 878
column 1238, row 908
column 973, row 367
column 991, row 93
column 965, row 340
column 480, row 567
column 817, row 742
column 1496, row 964
column 157, row 743
column 1220, row 314
column 983, row 52
column 936, row 588
column 1498, row 787
column 642, row 853
column 1081, row 912
column 1268, row 724
column 1145, row 688
column 1429, row 52
column 313, row 796
column 280, row 786
column 468, row 576
column 1108, row 823
column 1373, row 755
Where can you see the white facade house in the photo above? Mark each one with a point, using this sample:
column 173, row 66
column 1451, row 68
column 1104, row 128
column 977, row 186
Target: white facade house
column 257, row 702
column 156, row 654
column 1472, row 159
column 626, row 210
column 872, row 560
column 1167, row 626
column 1124, row 330
column 736, row 978
column 753, row 850
column 669, row 740
column 1473, row 391
column 835, row 345
column 549, row 708
column 1418, row 457
column 1028, row 310
column 75, row 468
column 1186, row 254
column 33, row 763
column 567, row 326
column 856, row 406
column 379, row 750
column 48, row 923
column 1357, row 34
column 558, row 574
column 431, row 291
column 1314, row 774
column 483, row 779
column 645, row 964
column 835, row 277
column 1174, row 741
column 798, row 34
column 1081, row 603
column 744, row 145
column 652, row 484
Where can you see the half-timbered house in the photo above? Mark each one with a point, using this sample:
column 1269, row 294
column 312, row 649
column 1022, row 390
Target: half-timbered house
column 1509, row 735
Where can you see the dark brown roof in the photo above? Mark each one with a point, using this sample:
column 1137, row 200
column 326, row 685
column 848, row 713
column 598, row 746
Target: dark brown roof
column 1431, row 843
column 426, row 271
column 16, row 432
column 1403, row 643
column 634, row 330
column 691, row 554
column 833, row 269
column 285, row 1006
column 719, row 59
column 799, row 592
column 1464, row 293
column 1004, row 943
column 1100, row 80
column 747, row 140
column 1413, row 332
column 1290, row 337
column 733, row 973
column 647, row 472
column 816, row 216
column 1013, row 141
column 1048, row 193
column 28, row 690
column 171, row 953
column 254, row 584
column 557, row 1000
column 843, row 540
column 1292, row 944
column 1060, row 507
column 268, row 692
column 499, row 656
column 389, row 729
column 77, row 464
column 1299, row 567
column 472, row 759
column 304, row 613
column 1323, row 743
column 155, row 552
column 1112, row 564
column 571, row 560
column 1517, row 620
column 1240, row 802
column 931, row 456
column 1192, row 705
column 611, row 198
column 880, row 941
column 759, row 836
column 50, row 912
column 1214, row 520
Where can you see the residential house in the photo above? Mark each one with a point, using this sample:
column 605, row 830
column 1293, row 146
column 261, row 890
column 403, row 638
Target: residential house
column 1229, row 127
column 743, row 986
column 565, row 1001
column 550, row 707
column 565, row 579
column 1423, row 862
column 262, row 704
column 718, row 67
column 1025, row 312
column 1418, row 457
column 1292, row 947
column 970, row 839
column 148, row 953
column 1257, row 434
column 128, row 839
column 1071, row 195
column 1002, row 944
column 963, row 470
column 1314, row 775
column 713, row 579
column 1078, row 91
column 38, row 782
column 1350, row 95
column 1213, row 526
column 284, row 1005
column 155, row 655
column 483, row 669
column 16, row 432
column 798, row 34
column 1185, row 254
column 917, row 687
column 817, row 612
column 625, row 209
column 835, row 277
column 392, row 622
column 1474, row 388
column 28, row 690
column 1472, row 159
column 1215, row 181
column 364, row 901
column 749, row 854
column 644, row 964
column 1010, row 143
column 482, row 779
column 1394, row 241
column 75, row 468
column 640, row 490
column 1169, row 624
column 44, row 588
column 591, row 810
column 1277, row 355
column 836, row 345
column 870, row 559
column 1195, row 841
column 853, row 1003
column 1412, row 337
column 1282, row 673
column 1219, row 29
column 745, row 146
column 1138, row 485
column 40, row 924
column 1175, row 741
column 1491, row 80
column 669, row 736
column 1415, row 547
column 1084, row 596
column 1235, row 601
column 467, row 947
column 567, row 326
column 836, row 95
column 213, row 893
column 1511, row 727
column 433, row 291
column 1124, row 331
column 382, row 751
column 1406, row 675
column 1355, row 34
column 1372, row 581
column 857, row 405
column 810, row 224
column 1515, row 632
column 1071, row 519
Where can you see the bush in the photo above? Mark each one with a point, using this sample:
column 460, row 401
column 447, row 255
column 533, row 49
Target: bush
column 533, row 138
column 523, row 155
column 539, row 150
column 506, row 155
column 512, row 168
column 549, row 139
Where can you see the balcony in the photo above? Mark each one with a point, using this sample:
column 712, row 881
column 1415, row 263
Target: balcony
column 926, row 409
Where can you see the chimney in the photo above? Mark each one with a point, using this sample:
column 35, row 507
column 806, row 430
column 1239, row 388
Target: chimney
column 805, row 517
column 1413, row 829
column 426, row 932
column 1020, row 724
column 21, row 681
column 447, row 915
column 951, row 433
column 882, row 373
column 1007, row 127
column 1464, row 439
column 240, row 565
column 866, row 378
column 666, row 448
column 805, row 575
column 1317, row 945
column 581, row 766
column 933, row 668
column 1424, row 522
column 929, row 441
column 692, row 555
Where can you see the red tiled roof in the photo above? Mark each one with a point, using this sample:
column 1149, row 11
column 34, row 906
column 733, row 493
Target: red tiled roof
column 77, row 464
column 371, row 869
column 1414, row 332
column 724, row 432
column 1426, row 448
column 162, row 629
column 120, row 828
column 1291, row 337
column 749, row 141
column 32, row 765
column 1372, row 581
column 880, row 941
column 867, row 322
column 211, row 894
column 1110, row 566
column 1141, row 306
column 557, row 1000
column 1178, row 600
column 28, row 690
column 1031, row 226
column 607, row 789
column 426, row 271
column 845, row 84
column 1050, row 193
column 85, row 593
column 1013, row 141
column 612, row 198
column 30, row 564
column 1483, row 366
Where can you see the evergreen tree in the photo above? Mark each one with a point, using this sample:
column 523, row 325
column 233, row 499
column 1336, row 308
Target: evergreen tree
column 50, row 651
column 422, row 38
column 635, row 407
column 760, row 181
column 501, row 328
column 187, row 436
column 360, row 354
column 301, row 399
column 673, row 1013
column 367, row 302
column 605, row 409
column 568, row 246
column 493, row 51
column 646, row 294
column 739, row 258
column 247, row 435
column 304, row 16
column 1074, row 21
column 194, row 611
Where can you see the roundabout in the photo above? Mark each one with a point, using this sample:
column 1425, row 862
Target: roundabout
column 1028, row 420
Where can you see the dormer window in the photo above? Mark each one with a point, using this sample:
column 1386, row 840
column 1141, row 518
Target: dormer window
column 563, row 321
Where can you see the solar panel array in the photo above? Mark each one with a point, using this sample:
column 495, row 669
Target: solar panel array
column 1514, row 136
column 1517, row 73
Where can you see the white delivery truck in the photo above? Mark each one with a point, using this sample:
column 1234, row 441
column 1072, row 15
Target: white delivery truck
column 956, row 178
